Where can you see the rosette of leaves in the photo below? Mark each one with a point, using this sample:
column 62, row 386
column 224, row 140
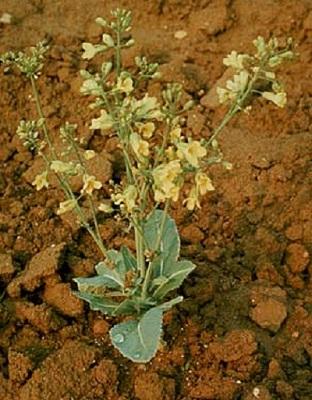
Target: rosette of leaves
column 118, row 289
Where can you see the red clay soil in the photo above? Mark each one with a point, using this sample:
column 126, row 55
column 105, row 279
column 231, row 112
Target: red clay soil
column 245, row 328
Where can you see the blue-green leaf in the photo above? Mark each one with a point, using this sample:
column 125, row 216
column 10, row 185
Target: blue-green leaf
column 175, row 274
column 128, row 259
column 111, row 281
column 122, row 260
column 106, row 277
column 139, row 340
column 98, row 303
column 170, row 242
column 127, row 307
column 169, row 304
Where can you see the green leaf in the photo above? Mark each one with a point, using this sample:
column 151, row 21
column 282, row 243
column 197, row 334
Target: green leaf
column 106, row 277
column 170, row 242
column 98, row 303
column 169, row 304
column 127, row 307
column 123, row 260
column 139, row 340
column 110, row 280
column 128, row 259
column 176, row 273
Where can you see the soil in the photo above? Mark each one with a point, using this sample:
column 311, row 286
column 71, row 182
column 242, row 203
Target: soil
column 244, row 330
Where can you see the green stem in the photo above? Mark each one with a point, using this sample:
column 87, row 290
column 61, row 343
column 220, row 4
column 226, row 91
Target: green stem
column 236, row 106
column 62, row 180
column 148, row 275
column 229, row 115
column 41, row 116
column 164, row 144
column 118, row 50
column 90, row 199
column 162, row 225
column 139, row 245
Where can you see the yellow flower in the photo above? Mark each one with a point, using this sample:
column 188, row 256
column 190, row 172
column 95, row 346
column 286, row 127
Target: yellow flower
column 91, row 50
column 146, row 108
column 127, row 197
column 239, row 82
column 159, row 196
column 235, row 60
column 203, row 183
column 175, row 134
column 224, row 95
column 89, row 154
column 108, row 40
column 139, row 146
column 60, row 166
column 90, row 184
column 130, row 195
column 124, row 84
column 191, row 151
column 261, row 46
column 104, row 122
column 170, row 152
column 117, row 198
column 280, row 99
column 147, row 129
column 192, row 200
column 165, row 185
column 90, row 86
column 41, row 180
column 104, row 207
column 269, row 74
column 172, row 193
column 166, row 173
column 66, row 206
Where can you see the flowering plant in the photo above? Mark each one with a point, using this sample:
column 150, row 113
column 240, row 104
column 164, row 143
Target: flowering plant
column 158, row 159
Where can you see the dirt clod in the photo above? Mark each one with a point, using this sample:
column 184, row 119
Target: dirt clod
column 62, row 298
column 162, row 388
column 269, row 309
column 6, row 267
column 297, row 258
column 41, row 266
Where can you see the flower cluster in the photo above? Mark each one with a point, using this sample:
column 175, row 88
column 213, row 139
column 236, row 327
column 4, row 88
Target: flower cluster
column 91, row 50
column 29, row 64
column 166, row 181
column 28, row 132
column 255, row 74
column 71, row 162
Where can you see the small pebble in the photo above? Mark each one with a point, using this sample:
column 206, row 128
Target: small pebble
column 6, row 18
column 180, row 35
column 256, row 392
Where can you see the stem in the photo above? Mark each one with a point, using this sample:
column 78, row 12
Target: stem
column 162, row 225
column 236, row 106
column 41, row 115
column 90, row 199
column 118, row 50
column 155, row 250
column 139, row 245
column 164, row 143
column 229, row 115
column 96, row 225
column 63, row 181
